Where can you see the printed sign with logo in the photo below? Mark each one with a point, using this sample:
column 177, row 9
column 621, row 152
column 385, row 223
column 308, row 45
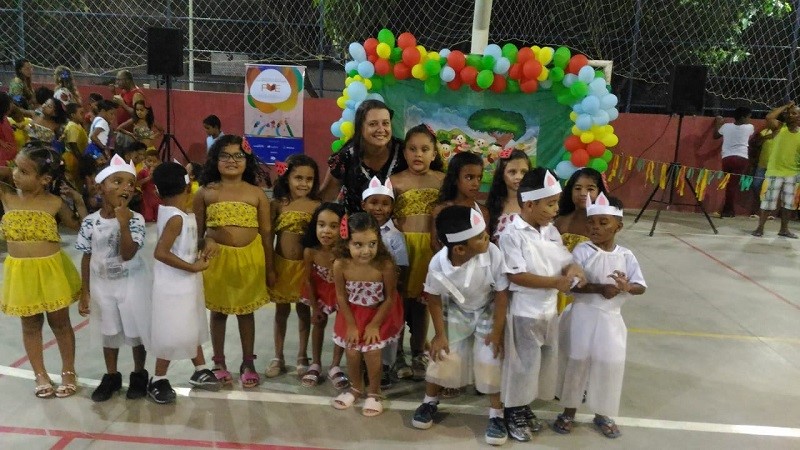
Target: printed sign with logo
column 273, row 110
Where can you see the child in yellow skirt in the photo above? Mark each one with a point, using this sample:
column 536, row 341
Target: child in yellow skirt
column 233, row 212
column 417, row 190
column 296, row 197
column 38, row 277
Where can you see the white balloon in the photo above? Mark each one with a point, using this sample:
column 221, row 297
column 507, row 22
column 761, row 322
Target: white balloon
column 348, row 115
column 600, row 118
column 570, row 79
column 586, row 74
column 350, row 66
column 584, row 122
column 493, row 50
column 444, row 52
column 546, row 84
column 447, row 74
column 502, row 65
column 613, row 113
column 590, row 104
column 357, row 51
column 598, row 87
column 608, row 101
column 366, row 69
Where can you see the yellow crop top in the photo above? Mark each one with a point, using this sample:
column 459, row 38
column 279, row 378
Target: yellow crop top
column 415, row 202
column 231, row 214
column 21, row 225
column 293, row 221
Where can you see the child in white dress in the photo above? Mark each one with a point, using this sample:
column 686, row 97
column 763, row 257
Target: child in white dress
column 179, row 313
column 116, row 279
column 592, row 333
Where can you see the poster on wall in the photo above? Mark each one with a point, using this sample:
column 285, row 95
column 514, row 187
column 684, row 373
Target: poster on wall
column 273, row 110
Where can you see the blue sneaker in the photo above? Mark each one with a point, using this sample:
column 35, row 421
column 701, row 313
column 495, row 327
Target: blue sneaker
column 496, row 432
column 423, row 416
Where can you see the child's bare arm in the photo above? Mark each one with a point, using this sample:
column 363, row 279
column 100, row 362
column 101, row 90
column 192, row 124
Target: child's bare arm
column 265, row 230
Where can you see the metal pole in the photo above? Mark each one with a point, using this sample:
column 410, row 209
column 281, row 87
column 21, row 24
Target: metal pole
column 191, row 45
column 321, row 86
column 637, row 17
column 21, row 28
column 480, row 25
column 793, row 55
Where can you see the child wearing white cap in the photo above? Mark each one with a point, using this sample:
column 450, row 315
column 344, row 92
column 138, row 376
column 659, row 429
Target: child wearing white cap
column 116, row 280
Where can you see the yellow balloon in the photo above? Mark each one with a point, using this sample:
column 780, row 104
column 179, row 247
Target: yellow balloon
column 597, row 131
column 610, row 140
column 609, row 129
column 347, row 128
column 348, row 80
column 422, row 52
column 418, row 72
column 383, row 50
column 545, row 55
column 536, row 49
column 573, row 116
column 586, row 137
column 341, row 102
column 545, row 73
column 433, row 56
column 576, row 131
column 358, row 78
column 368, row 83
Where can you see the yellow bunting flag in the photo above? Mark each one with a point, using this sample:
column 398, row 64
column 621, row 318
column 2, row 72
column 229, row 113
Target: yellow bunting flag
column 662, row 182
column 681, row 180
column 724, row 183
column 614, row 167
column 650, row 172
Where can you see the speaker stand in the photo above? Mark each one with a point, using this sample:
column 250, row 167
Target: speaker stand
column 165, row 149
column 668, row 194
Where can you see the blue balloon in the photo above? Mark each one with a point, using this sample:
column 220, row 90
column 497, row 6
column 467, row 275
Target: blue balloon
column 357, row 51
column 444, row 52
column 570, row 79
column 613, row 113
column 350, row 66
column 590, row 104
column 350, row 104
column 336, row 128
column 349, row 115
column 357, row 91
column 600, row 118
column 608, row 101
column 493, row 50
column 586, row 74
column 598, row 87
column 584, row 122
column 447, row 74
column 366, row 69
column 565, row 169
column 578, row 108
column 502, row 65
column 546, row 84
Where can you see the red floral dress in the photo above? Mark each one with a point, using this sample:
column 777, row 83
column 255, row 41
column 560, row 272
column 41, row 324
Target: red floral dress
column 324, row 289
column 364, row 298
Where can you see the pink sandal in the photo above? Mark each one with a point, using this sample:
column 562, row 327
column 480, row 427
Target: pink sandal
column 247, row 373
column 220, row 371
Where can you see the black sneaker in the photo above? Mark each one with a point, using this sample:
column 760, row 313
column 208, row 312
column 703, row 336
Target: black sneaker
column 205, row 379
column 161, row 392
column 496, row 432
column 423, row 416
column 517, row 424
column 387, row 380
column 108, row 385
column 533, row 422
column 137, row 388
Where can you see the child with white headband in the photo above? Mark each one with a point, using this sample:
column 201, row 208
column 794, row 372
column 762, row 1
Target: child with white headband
column 116, row 278
column 466, row 287
column 538, row 267
column 592, row 333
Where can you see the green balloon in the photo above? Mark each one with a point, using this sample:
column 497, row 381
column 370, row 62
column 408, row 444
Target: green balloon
column 352, row 73
column 510, row 51
column 607, row 156
column 337, row 145
column 579, row 89
column 512, row 86
column 389, row 79
column 386, row 36
column 474, row 61
column 397, row 54
column 566, row 156
column 561, row 57
column 487, row 62
column 598, row 164
column 432, row 67
column 599, row 74
column 377, row 83
column 556, row 74
column 485, row 79
column 432, row 85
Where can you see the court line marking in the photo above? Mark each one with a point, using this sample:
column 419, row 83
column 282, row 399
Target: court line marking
column 736, row 271
column 701, row 334
column 404, row 405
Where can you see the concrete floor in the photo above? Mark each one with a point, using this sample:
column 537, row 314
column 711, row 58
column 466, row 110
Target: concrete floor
column 713, row 363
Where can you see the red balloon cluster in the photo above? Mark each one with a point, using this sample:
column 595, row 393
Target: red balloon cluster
column 526, row 70
column 581, row 153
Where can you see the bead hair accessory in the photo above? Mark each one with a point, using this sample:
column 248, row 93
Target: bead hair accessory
column 551, row 187
column 344, row 230
column 476, row 226
column 246, row 146
column 117, row 164
column 280, row 168
column 430, row 129
column 601, row 206
column 506, row 153
column 376, row 188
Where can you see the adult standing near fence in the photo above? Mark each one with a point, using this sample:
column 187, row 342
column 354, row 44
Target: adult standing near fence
column 735, row 140
column 21, row 87
column 371, row 152
column 65, row 90
column 126, row 94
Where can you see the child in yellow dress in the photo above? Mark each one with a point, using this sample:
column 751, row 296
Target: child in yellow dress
column 39, row 279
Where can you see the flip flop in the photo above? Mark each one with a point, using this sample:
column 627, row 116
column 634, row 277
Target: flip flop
column 372, row 406
column 302, row 366
column 346, row 399
column 607, row 426
column 220, row 371
column 563, row 424
column 338, row 378
column 247, row 373
column 311, row 378
column 275, row 368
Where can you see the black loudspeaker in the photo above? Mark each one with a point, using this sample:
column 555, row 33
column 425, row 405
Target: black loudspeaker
column 687, row 89
column 164, row 51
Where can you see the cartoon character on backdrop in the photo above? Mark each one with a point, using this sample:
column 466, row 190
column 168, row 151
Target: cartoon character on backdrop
column 445, row 149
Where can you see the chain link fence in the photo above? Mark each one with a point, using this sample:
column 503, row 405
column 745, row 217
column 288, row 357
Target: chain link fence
column 750, row 46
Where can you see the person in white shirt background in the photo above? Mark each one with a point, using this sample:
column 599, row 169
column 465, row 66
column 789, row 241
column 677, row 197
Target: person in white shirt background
column 735, row 138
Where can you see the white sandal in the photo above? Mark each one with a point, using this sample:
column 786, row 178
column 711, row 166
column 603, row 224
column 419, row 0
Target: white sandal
column 346, row 399
column 372, row 406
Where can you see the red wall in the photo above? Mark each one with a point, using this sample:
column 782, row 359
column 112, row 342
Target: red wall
column 649, row 136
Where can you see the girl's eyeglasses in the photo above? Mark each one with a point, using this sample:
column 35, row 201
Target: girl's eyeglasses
column 224, row 157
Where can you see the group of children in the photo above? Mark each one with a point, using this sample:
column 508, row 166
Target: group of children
column 422, row 246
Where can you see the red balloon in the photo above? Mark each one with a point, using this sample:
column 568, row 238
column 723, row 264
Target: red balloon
column 401, row 71
column 372, row 58
column 455, row 84
column 525, row 54
column 576, row 62
column 499, row 84
column 475, row 87
column 573, row 143
column 382, row 66
column 370, row 45
column 406, row 40
column 456, row 60
column 410, row 56
column 529, row 86
column 468, row 75
column 531, row 69
column 515, row 72
column 579, row 158
column 595, row 149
